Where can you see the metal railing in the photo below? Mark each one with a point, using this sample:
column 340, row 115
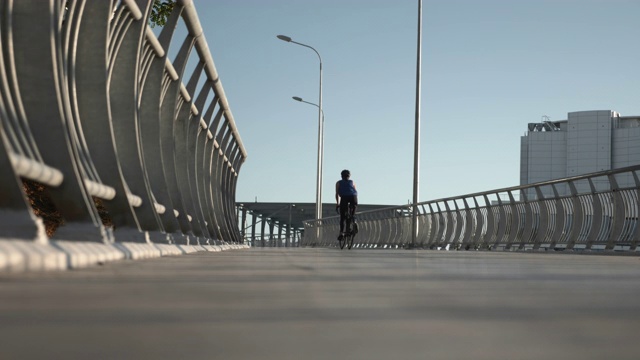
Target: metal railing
column 597, row 211
column 270, row 241
column 92, row 108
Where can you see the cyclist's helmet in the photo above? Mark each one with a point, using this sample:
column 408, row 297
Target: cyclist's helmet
column 345, row 174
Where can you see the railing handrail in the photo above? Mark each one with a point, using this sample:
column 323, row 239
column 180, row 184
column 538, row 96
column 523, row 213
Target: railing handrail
column 500, row 190
column 96, row 113
column 580, row 216
column 195, row 30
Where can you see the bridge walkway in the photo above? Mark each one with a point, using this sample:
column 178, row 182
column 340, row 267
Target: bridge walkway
column 306, row 303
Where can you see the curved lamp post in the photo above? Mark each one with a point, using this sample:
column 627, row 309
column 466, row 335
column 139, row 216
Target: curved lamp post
column 321, row 145
column 320, row 129
column 297, row 98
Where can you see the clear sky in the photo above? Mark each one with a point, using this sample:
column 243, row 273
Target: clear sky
column 489, row 67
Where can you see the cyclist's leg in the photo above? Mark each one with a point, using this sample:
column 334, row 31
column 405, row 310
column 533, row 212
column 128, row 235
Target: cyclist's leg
column 344, row 207
column 354, row 206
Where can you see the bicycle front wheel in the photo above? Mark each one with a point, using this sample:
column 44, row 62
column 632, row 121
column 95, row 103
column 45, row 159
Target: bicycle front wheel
column 350, row 240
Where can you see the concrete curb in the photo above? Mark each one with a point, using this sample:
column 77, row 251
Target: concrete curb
column 137, row 251
column 212, row 248
column 189, row 249
column 48, row 255
column 83, row 254
column 168, row 249
column 20, row 255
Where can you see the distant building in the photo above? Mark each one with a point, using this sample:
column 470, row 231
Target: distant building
column 587, row 142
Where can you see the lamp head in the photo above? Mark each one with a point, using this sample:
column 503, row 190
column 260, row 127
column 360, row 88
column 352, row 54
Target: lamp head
column 296, row 98
column 284, row 38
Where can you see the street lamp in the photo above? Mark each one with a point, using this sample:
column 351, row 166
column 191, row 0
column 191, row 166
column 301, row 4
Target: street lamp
column 321, row 145
column 320, row 129
column 297, row 98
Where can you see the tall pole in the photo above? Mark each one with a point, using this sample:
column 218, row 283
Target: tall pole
column 320, row 131
column 320, row 161
column 320, row 149
column 416, row 151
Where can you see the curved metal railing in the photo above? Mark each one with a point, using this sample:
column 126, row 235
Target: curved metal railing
column 92, row 108
column 597, row 211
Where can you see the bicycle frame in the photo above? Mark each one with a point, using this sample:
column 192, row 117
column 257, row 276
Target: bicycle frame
column 350, row 230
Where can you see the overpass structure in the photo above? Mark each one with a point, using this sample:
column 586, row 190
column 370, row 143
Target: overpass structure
column 277, row 224
column 138, row 155
column 139, row 158
column 132, row 153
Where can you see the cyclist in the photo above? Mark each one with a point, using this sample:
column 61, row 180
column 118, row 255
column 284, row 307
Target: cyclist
column 346, row 198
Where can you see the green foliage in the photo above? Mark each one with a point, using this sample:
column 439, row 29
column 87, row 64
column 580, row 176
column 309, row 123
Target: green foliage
column 160, row 12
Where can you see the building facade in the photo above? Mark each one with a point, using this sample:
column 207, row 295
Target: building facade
column 587, row 142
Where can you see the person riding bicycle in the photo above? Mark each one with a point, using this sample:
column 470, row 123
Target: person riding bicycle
column 346, row 198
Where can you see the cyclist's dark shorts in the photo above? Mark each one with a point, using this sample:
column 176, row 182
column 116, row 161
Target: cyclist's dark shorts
column 346, row 200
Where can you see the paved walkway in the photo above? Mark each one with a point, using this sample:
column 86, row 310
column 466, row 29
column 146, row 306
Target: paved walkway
column 328, row 304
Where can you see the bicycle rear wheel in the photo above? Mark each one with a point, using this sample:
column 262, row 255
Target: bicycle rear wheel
column 343, row 241
column 350, row 240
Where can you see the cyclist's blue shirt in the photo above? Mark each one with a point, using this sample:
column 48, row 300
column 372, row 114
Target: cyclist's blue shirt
column 346, row 188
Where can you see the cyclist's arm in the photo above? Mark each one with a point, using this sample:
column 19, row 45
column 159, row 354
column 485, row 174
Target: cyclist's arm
column 337, row 190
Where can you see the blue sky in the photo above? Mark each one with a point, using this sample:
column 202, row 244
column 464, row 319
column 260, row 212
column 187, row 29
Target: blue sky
column 489, row 67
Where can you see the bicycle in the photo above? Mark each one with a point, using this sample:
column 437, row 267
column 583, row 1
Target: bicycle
column 351, row 228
